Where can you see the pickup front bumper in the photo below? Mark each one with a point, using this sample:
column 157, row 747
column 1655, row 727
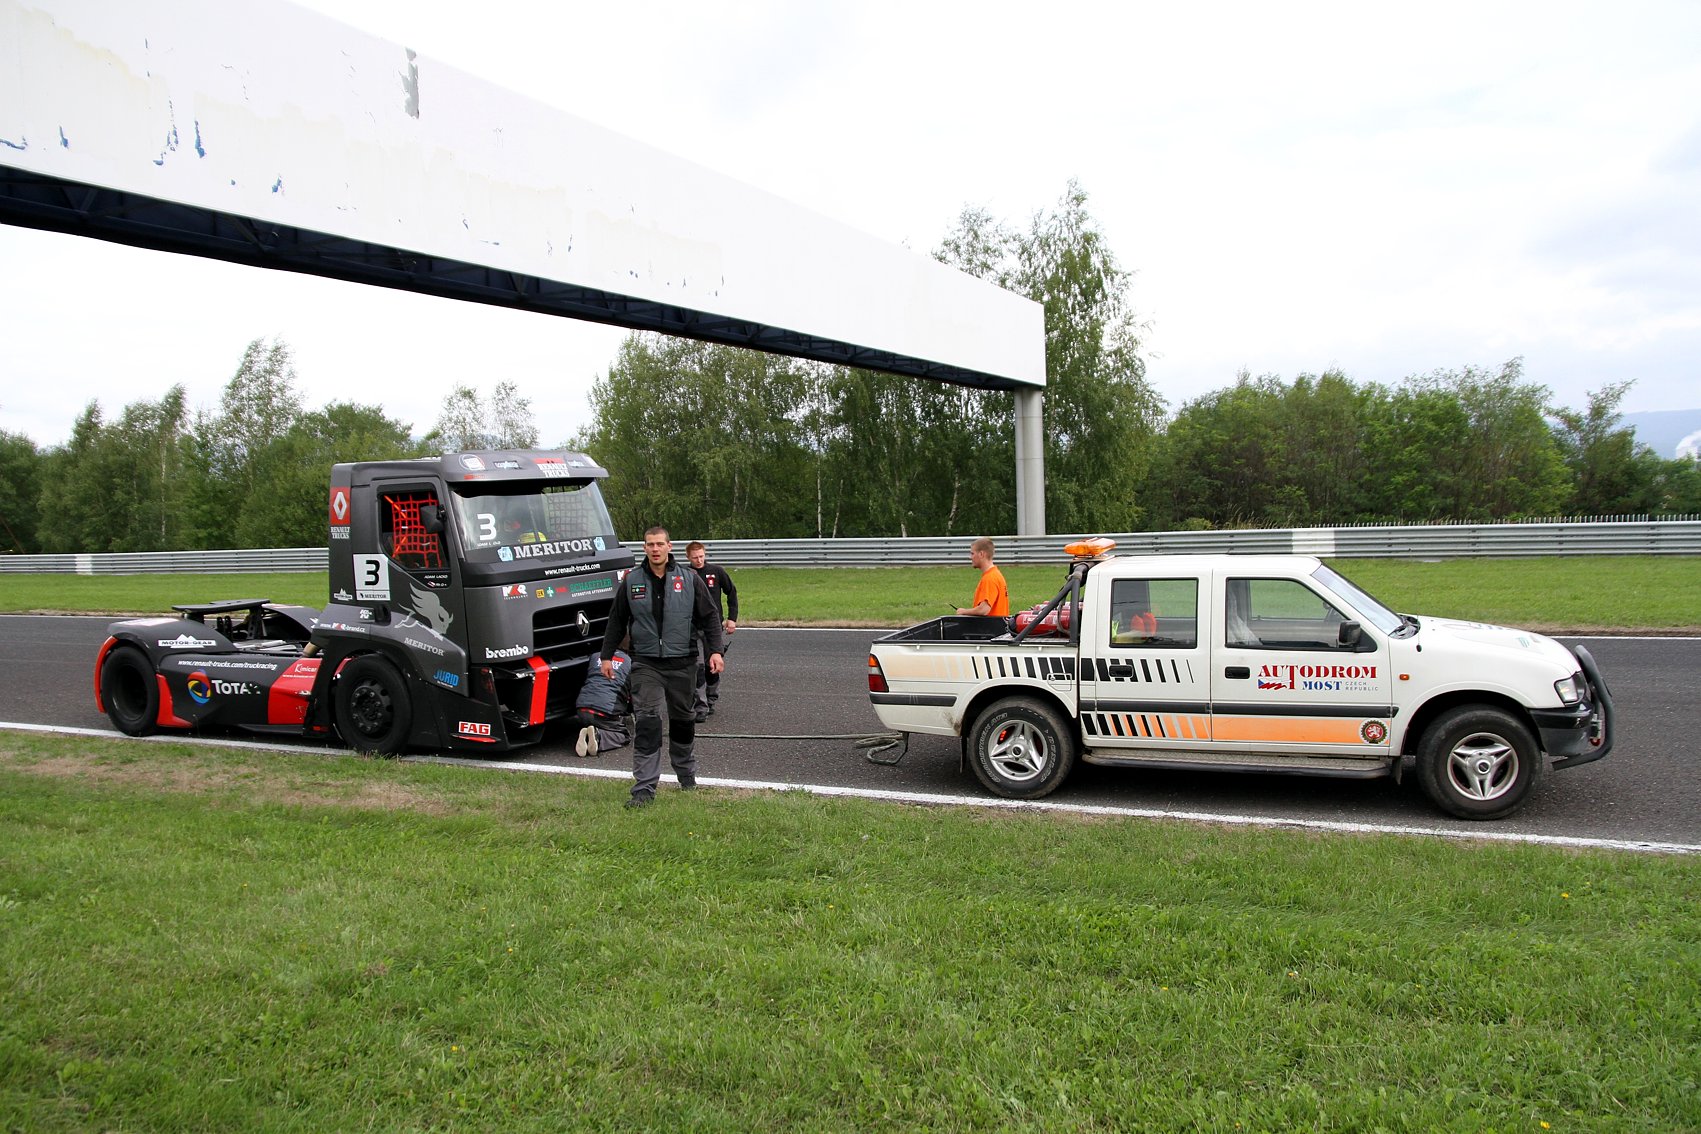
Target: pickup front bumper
column 1581, row 734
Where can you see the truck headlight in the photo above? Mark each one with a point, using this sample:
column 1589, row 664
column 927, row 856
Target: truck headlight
column 1569, row 689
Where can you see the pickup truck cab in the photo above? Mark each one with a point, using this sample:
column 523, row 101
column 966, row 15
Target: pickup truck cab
column 1249, row 663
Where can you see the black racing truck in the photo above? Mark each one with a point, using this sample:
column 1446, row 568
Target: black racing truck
column 467, row 595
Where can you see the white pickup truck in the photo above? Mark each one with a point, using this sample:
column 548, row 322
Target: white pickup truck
column 1248, row 663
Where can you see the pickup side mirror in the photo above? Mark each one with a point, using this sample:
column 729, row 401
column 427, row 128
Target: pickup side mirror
column 1349, row 635
column 431, row 518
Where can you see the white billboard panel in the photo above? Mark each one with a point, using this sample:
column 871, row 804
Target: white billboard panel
column 269, row 111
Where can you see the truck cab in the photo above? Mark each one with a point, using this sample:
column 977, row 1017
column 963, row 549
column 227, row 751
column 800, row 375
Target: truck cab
column 1243, row 663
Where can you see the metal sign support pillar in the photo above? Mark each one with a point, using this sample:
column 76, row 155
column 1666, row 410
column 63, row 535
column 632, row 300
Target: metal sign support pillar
column 1030, row 461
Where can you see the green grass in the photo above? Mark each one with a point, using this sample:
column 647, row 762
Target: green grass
column 193, row 939
column 1658, row 594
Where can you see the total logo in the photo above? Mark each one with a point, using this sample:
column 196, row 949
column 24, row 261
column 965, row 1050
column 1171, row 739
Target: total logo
column 203, row 688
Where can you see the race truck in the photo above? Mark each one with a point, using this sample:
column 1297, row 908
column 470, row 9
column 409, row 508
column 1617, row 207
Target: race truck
column 467, row 595
column 1242, row 663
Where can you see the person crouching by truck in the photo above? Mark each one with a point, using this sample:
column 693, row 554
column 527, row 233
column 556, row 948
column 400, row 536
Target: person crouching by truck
column 660, row 604
column 992, row 595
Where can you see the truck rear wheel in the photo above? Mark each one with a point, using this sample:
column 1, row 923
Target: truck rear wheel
column 1477, row 762
column 373, row 712
column 1021, row 748
column 130, row 689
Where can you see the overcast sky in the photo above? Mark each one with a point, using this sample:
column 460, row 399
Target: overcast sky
column 1387, row 190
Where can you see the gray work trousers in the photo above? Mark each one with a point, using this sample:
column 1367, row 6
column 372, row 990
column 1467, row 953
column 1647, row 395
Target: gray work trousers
column 709, row 684
column 658, row 691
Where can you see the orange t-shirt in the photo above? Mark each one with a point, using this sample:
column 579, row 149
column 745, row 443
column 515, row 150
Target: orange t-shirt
column 992, row 590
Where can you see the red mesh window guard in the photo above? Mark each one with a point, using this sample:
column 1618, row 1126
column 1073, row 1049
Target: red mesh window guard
column 411, row 544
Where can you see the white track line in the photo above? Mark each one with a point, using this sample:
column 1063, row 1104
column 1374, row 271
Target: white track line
column 923, row 798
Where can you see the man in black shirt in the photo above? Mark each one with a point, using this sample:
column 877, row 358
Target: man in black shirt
column 720, row 585
column 665, row 607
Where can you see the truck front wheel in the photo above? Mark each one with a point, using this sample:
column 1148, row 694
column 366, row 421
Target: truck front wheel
column 130, row 690
column 373, row 713
column 1478, row 763
column 1021, row 748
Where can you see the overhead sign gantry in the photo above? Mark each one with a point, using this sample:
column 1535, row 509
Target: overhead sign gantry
column 266, row 134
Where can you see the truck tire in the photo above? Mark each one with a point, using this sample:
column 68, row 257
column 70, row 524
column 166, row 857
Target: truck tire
column 1478, row 762
column 130, row 689
column 1021, row 748
column 372, row 707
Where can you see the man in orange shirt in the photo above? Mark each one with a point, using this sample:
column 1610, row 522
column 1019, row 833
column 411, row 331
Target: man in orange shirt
column 992, row 596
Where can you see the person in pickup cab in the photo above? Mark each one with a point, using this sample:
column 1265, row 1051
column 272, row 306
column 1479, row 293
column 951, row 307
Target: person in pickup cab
column 992, row 596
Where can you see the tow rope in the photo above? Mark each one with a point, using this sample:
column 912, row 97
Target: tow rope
column 873, row 744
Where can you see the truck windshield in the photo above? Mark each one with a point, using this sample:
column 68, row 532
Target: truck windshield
column 532, row 522
column 1378, row 615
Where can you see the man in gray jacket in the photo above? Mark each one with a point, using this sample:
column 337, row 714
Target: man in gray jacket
column 661, row 605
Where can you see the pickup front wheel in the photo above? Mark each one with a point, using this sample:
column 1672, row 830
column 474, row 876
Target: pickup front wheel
column 1478, row 763
column 1021, row 748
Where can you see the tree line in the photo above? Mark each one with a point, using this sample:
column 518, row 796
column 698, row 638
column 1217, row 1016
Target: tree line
column 731, row 443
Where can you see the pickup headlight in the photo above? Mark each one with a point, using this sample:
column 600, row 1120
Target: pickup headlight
column 1569, row 689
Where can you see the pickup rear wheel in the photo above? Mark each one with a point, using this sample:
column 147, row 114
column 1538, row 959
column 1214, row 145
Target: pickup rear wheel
column 130, row 690
column 1021, row 748
column 1477, row 762
column 373, row 712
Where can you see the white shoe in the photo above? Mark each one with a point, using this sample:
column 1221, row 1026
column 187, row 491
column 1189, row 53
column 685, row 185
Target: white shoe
column 586, row 745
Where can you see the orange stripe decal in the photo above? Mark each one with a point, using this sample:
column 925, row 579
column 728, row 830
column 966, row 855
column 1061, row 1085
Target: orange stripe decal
column 1287, row 730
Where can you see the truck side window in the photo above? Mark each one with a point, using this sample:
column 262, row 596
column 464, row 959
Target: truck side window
column 1154, row 614
column 1279, row 614
column 401, row 531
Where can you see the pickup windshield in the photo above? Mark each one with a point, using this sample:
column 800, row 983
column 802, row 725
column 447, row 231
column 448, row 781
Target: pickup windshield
column 1378, row 615
column 558, row 520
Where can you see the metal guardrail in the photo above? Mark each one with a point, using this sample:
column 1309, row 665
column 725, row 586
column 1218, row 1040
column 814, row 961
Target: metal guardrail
column 1451, row 541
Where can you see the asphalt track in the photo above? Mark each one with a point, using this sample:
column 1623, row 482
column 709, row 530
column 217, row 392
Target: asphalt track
column 794, row 702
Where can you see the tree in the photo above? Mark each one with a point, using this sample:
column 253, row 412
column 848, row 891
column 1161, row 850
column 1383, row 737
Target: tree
column 1508, row 463
column 1100, row 413
column 20, row 491
column 296, row 470
column 703, row 438
column 470, row 422
column 258, row 408
column 1609, row 470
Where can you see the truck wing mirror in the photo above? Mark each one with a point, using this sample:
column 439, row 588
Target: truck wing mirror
column 431, row 518
column 1349, row 635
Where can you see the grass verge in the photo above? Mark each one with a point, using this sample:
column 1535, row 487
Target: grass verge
column 1642, row 594
column 212, row 939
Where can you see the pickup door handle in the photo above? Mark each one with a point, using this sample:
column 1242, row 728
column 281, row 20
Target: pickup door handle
column 1237, row 671
column 1119, row 669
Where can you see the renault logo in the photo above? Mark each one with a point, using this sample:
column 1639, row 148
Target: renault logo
column 584, row 625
